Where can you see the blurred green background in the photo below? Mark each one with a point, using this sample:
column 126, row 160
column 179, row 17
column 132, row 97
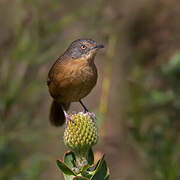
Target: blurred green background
column 137, row 98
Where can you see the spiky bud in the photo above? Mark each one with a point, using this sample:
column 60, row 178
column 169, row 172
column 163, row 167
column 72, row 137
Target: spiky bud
column 81, row 133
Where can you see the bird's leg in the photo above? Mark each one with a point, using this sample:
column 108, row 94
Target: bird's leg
column 67, row 116
column 85, row 108
column 91, row 114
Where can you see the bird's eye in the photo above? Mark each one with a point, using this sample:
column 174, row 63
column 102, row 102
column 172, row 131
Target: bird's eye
column 83, row 47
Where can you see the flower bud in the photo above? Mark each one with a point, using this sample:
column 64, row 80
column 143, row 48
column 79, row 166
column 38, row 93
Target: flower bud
column 81, row 133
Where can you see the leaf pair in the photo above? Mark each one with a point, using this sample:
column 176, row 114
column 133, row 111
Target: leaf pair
column 87, row 172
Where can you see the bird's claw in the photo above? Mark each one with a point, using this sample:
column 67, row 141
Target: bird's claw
column 91, row 114
column 69, row 118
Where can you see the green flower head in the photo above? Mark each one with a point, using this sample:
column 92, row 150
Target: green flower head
column 81, row 133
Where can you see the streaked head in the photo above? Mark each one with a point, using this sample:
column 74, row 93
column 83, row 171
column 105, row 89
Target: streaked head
column 84, row 49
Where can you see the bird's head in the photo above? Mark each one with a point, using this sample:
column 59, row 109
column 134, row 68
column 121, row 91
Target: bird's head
column 84, row 49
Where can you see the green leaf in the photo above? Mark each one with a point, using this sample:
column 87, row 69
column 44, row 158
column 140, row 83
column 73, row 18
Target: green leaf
column 99, row 163
column 80, row 178
column 102, row 172
column 90, row 157
column 69, row 159
column 85, row 173
column 66, row 170
column 84, row 168
column 68, row 177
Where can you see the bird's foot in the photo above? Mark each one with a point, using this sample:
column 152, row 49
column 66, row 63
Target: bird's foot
column 68, row 118
column 91, row 114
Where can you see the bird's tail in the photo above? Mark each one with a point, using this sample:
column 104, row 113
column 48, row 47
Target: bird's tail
column 56, row 116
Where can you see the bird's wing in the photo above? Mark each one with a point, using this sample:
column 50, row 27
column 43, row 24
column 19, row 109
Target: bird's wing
column 54, row 68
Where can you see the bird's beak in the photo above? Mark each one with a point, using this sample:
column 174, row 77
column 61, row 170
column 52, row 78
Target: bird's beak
column 99, row 46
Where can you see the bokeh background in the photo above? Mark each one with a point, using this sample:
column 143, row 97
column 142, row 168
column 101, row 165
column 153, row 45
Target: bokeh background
column 137, row 97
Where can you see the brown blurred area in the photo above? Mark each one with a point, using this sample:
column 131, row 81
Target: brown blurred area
column 136, row 98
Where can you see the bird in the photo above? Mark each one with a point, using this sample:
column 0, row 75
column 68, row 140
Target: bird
column 71, row 78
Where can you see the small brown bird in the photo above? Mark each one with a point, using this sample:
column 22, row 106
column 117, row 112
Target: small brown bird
column 72, row 77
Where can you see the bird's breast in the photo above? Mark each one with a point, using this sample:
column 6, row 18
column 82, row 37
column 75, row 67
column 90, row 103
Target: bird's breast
column 75, row 81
